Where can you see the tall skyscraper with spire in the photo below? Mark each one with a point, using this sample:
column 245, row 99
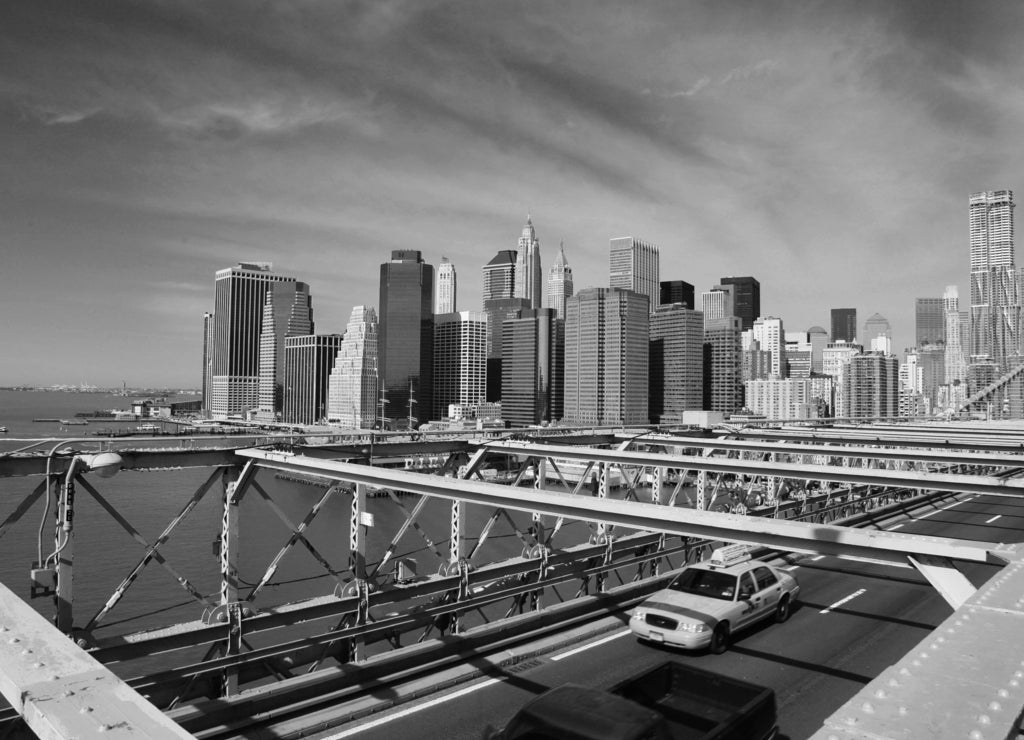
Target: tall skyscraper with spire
column 528, row 272
column 445, row 294
column 995, row 281
column 635, row 265
column 559, row 283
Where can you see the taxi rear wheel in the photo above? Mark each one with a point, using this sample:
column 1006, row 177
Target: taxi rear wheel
column 719, row 638
column 782, row 610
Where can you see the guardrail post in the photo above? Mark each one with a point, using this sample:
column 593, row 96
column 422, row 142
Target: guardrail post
column 357, row 561
column 64, row 552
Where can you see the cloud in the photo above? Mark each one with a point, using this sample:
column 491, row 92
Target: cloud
column 748, row 71
column 52, row 116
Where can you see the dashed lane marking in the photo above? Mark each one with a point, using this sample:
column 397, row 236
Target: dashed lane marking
column 595, row 643
column 839, row 603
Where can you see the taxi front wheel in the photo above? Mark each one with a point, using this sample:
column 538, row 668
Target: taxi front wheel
column 782, row 610
column 719, row 638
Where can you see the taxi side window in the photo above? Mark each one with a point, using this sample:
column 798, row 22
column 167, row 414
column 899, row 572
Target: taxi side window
column 746, row 586
column 765, row 578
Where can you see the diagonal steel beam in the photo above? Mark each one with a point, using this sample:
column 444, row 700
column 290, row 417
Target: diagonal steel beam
column 859, row 544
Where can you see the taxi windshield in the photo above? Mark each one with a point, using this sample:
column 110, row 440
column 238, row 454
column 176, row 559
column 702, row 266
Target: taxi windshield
column 702, row 582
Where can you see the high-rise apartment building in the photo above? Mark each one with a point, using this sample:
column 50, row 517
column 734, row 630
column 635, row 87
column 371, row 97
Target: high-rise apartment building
column 746, row 298
column 406, row 332
column 445, row 292
column 956, row 364
column 995, row 283
column 676, row 291
column 308, row 362
column 723, row 369
column 460, row 360
column 559, row 283
column 781, row 399
column 634, row 265
column 352, row 397
column 844, row 324
column 529, row 280
column 606, row 375
column 533, row 368
column 239, row 297
column 287, row 312
column 835, row 360
column 871, row 386
column 770, row 336
column 676, row 365
column 797, row 355
column 929, row 321
column 718, row 303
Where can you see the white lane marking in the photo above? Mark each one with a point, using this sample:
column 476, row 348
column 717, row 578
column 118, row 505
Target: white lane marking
column 818, row 557
column 595, row 643
column 896, row 526
column 944, row 508
column 790, row 567
column 997, row 516
column 852, row 596
column 412, row 710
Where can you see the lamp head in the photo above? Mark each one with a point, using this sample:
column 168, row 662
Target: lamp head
column 104, row 464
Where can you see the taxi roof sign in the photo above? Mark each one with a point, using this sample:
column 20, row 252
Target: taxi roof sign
column 723, row 557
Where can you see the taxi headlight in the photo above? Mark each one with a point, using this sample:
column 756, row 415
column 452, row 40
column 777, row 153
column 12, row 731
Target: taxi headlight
column 639, row 614
column 693, row 627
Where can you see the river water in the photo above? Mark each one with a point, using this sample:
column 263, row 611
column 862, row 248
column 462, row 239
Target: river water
column 104, row 553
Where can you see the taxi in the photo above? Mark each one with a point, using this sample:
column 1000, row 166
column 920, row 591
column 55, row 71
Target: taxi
column 710, row 600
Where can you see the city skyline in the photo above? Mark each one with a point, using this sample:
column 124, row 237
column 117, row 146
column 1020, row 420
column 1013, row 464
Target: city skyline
column 148, row 147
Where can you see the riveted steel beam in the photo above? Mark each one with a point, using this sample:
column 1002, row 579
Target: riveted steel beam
column 872, row 545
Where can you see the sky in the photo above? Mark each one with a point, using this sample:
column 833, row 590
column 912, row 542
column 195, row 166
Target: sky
column 827, row 149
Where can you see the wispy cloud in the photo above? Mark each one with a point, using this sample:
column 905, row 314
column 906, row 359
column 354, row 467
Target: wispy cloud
column 52, row 116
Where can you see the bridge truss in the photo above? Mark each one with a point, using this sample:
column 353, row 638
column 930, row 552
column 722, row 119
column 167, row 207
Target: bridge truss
column 791, row 490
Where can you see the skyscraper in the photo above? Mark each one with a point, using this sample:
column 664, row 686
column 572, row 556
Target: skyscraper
column 995, row 300
column 529, row 283
column 844, row 324
column 308, row 361
column 956, row 365
column 533, row 368
column 446, row 287
column 207, row 360
column 746, row 298
column 460, row 360
column 559, row 283
column 876, row 326
column 929, row 321
column 287, row 312
column 499, row 276
column 406, row 332
column 770, row 336
column 676, row 291
column 499, row 304
column 718, row 303
column 871, row 386
column 606, row 374
column 634, row 265
column 723, row 368
column 676, row 364
column 352, row 396
column 240, row 295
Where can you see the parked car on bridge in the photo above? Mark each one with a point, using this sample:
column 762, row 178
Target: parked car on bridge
column 709, row 601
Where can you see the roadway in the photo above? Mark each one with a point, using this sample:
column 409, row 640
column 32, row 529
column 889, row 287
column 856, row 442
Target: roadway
column 853, row 620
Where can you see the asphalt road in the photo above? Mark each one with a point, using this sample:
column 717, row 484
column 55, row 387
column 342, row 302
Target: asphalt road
column 853, row 620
